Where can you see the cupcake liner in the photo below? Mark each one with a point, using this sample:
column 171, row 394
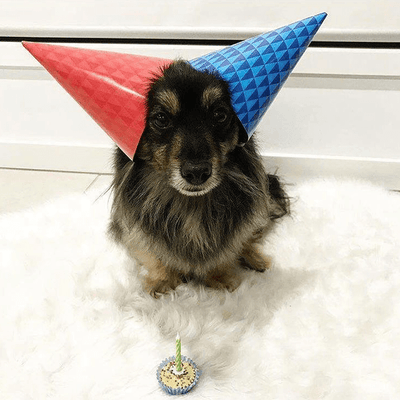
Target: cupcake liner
column 174, row 391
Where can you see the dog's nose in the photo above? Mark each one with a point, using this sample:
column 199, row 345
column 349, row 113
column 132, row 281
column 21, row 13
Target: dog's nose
column 196, row 173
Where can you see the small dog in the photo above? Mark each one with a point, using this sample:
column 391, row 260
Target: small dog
column 196, row 202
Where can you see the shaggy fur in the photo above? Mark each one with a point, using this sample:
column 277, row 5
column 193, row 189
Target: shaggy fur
column 323, row 323
column 195, row 203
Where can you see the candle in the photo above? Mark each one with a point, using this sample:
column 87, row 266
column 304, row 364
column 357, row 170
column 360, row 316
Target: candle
column 178, row 358
column 177, row 374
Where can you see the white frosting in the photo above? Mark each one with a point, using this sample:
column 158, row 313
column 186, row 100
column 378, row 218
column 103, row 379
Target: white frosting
column 174, row 371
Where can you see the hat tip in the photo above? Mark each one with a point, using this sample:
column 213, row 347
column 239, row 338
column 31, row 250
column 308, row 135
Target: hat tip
column 321, row 17
column 28, row 45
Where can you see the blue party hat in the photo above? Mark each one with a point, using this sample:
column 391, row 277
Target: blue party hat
column 257, row 68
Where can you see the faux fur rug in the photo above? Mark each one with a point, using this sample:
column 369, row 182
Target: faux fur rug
column 322, row 323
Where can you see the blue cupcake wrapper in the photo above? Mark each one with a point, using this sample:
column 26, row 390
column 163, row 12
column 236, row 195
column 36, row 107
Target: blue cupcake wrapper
column 174, row 391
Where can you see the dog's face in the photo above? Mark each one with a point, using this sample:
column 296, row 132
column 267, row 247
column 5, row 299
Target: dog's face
column 190, row 129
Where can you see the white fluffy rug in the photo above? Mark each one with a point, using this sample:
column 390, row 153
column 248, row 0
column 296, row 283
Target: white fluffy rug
column 323, row 323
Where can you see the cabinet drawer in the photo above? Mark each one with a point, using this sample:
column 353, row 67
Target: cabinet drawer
column 338, row 106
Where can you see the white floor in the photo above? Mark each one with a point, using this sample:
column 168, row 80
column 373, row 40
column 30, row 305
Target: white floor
column 21, row 189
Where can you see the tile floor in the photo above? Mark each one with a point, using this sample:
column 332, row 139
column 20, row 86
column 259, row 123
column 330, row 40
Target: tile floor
column 21, row 189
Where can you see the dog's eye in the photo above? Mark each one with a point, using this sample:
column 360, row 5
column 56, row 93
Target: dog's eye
column 220, row 115
column 161, row 120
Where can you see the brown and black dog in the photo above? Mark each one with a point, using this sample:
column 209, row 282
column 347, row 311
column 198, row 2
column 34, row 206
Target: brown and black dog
column 195, row 202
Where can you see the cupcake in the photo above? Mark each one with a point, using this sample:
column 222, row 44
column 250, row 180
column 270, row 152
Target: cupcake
column 177, row 382
column 177, row 374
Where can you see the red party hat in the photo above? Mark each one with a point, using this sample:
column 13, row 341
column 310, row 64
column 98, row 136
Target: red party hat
column 110, row 86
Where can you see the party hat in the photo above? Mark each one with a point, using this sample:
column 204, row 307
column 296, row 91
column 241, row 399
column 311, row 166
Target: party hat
column 110, row 86
column 257, row 68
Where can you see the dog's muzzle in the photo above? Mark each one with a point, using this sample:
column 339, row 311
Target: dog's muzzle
column 195, row 178
column 196, row 173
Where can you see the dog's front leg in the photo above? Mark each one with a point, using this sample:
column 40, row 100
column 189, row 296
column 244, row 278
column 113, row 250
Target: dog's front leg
column 159, row 279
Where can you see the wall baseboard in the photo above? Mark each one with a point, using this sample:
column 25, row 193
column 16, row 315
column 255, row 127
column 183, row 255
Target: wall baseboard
column 293, row 168
column 56, row 157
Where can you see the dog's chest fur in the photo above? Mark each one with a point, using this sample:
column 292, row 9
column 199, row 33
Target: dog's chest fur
column 183, row 231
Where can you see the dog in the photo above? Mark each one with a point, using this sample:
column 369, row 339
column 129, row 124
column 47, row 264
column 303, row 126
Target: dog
column 196, row 202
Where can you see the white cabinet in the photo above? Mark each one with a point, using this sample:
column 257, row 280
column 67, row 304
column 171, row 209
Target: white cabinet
column 365, row 20
column 337, row 114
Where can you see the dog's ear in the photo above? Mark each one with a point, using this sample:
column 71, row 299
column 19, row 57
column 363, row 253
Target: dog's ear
column 243, row 138
column 143, row 150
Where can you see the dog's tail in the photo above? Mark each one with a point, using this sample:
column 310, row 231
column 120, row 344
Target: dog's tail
column 279, row 196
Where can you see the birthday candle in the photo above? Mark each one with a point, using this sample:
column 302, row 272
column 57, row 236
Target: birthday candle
column 178, row 359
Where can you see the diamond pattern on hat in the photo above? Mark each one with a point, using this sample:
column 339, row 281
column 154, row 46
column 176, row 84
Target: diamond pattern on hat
column 111, row 87
column 257, row 68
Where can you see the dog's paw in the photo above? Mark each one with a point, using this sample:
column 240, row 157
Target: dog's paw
column 223, row 280
column 158, row 287
column 254, row 259
column 159, row 290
